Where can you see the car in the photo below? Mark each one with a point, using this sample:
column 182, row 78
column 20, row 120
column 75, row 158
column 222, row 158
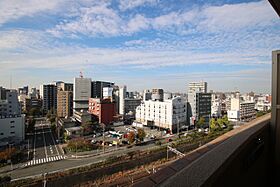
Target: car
column 93, row 141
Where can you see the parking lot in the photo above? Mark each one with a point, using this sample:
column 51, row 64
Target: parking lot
column 118, row 135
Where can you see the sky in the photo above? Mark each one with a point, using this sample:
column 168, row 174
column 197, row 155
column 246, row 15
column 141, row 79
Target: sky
column 143, row 44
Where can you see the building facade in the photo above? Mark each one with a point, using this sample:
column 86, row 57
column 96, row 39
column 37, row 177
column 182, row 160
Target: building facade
column 166, row 114
column 102, row 109
column 81, row 93
column 12, row 123
column 97, row 88
column 122, row 96
column 64, row 104
column 245, row 109
column 48, row 94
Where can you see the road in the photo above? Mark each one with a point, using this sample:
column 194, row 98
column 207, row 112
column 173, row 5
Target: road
column 44, row 146
column 68, row 163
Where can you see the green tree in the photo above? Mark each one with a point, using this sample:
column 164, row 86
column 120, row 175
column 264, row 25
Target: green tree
column 225, row 120
column 131, row 137
column 212, row 124
column 141, row 134
column 88, row 127
column 31, row 124
column 200, row 122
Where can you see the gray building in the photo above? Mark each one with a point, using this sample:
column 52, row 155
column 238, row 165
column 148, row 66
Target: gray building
column 81, row 93
column 48, row 94
column 203, row 105
column 9, row 104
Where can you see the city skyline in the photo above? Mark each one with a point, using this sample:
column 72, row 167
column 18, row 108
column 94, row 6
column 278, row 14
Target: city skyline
column 141, row 44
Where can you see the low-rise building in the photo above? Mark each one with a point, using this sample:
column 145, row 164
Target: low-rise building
column 164, row 114
column 12, row 128
column 102, row 109
column 245, row 109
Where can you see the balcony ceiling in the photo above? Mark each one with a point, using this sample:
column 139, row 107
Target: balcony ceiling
column 276, row 5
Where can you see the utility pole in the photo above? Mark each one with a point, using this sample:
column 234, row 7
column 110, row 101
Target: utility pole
column 177, row 126
column 103, row 125
column 28, row 149
column 76, row 150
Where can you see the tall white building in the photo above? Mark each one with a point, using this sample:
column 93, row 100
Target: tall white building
column 216, row 106
column 122, row 96
column 82, row 93
column 12, row 123
column 164, row 114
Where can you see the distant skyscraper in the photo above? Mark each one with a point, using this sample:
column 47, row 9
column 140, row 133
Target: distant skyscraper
column 48, row 94
column 199, row 100
column 157, row 94
column 97, row 88
column 147, row 95
column 81, row 93
column 23, row 90
column 122, row 96
column 198, row 87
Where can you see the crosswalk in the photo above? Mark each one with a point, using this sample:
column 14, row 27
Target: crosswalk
column 44, row 160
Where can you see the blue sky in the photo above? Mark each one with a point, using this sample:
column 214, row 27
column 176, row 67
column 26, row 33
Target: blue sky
column 139, row 43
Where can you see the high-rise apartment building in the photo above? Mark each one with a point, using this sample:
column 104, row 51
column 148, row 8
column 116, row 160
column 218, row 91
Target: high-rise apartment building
column 48, row 94
column 122, row 96
column 64, row 103
column 81, row 93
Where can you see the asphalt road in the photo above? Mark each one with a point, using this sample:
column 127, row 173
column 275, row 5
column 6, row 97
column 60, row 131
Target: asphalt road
column 44, row 143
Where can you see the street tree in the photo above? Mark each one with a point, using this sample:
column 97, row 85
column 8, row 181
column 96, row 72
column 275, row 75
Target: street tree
column 141, row 134
column 200, row 122
column 131, row 137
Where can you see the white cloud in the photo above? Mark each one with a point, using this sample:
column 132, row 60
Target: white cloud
column 102, row 20
column 236, row 16
column 14, row 9
column 130, row 4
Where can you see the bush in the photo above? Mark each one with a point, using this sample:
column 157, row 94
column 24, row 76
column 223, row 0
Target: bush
column 158, row 143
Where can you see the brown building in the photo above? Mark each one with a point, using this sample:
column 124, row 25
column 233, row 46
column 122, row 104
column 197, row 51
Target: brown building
column 102, row 109
column 64, row 103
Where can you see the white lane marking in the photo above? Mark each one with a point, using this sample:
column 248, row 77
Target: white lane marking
column 54, row 144
column 34, row 150
column 44, row 160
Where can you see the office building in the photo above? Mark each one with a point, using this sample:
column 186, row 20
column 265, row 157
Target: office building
column 102, row 109
column 81, row 94
column 166, row 114
column 97, row 88
column 48, row 94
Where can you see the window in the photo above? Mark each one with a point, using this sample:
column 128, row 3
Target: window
column 12, row 132
column 13, row 126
